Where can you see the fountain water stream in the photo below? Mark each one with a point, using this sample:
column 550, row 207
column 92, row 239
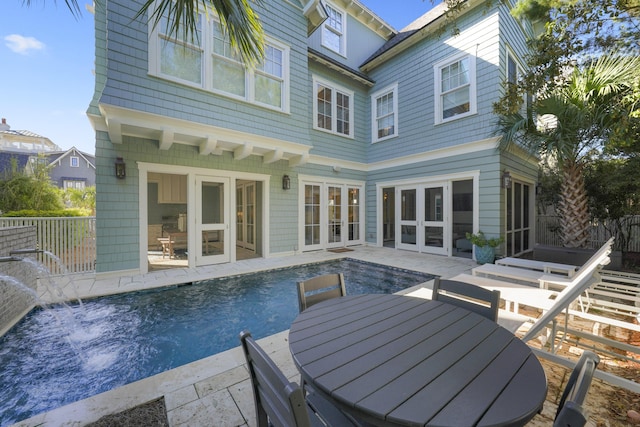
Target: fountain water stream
column 18, row 298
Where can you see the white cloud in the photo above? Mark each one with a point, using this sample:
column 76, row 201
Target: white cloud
column 23, row 45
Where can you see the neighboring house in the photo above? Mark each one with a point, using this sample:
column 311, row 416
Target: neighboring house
column 349, row 133
column 72, row 169
column 19, row 146
column 67, row 169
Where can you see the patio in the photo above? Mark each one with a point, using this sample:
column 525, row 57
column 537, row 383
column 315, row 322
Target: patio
column 216, row 390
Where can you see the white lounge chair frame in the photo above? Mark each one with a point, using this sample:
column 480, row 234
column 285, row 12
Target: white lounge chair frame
column 553, row 303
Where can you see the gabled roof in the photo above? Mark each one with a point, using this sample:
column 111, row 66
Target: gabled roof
column 413, row 33
column 341, row 68
column 57, row 156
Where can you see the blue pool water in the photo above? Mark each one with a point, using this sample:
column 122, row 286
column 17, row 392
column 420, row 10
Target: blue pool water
column 57, row 356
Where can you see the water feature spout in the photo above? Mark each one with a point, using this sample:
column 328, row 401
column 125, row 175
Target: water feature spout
column 26, row 251
column 9, row 258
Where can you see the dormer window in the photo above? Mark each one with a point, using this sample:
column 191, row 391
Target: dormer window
column 334, row 30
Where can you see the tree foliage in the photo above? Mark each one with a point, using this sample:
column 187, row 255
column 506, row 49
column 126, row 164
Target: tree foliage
column 237, row 19
column 569, row 120
column 614, row 195
column 84, row 199
column 574, row 31
column 20, row 191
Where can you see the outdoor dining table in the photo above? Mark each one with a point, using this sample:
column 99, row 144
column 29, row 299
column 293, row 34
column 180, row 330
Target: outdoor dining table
column 394, row 360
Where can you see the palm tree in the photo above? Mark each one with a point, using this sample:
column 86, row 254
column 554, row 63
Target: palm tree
column 237, row 17
column 582, row 113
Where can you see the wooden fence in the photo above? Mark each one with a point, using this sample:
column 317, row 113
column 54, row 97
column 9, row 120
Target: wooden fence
column 548, row 232
column 69, row 244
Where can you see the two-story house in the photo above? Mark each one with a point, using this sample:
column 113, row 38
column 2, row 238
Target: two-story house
column 348, row 133
column 71, row 168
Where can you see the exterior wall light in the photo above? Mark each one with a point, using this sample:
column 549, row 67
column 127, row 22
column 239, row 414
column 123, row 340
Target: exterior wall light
column 506, row 179
column 286, row 182
column 121, row 171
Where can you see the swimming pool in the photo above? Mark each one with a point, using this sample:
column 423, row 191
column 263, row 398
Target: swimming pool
column 58, row 356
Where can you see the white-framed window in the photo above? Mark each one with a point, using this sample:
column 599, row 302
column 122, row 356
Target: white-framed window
column 208, row 62
column 384, row 111
column 334, row 30
column 79, row 185
column 74, row 162
column 455, row 88
column 332, row 108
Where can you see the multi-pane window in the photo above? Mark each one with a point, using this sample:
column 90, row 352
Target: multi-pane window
column 333, row 31
column 74, row 162
column 455, row 89
column 208, row 61
column 384, row 107
column 333, row 108
column 79, row 185
column 181, row 57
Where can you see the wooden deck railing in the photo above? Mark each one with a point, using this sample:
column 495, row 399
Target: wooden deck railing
column 69, row 244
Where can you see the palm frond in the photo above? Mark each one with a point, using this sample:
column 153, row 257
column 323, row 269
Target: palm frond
column 73, row 6
column 237, row 18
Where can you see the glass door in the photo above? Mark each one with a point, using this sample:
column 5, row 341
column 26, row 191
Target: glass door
column 335, row 220
column 212, row 220
column 246, row 215
column 354, row 213
column 423, row 213
column 312, row 222
column 407, row 226
column 433, row 222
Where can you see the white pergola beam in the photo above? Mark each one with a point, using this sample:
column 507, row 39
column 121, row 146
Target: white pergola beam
column 166, row 139
column 210, row 146
column 243, row 151
column 273, row 156
column 299, row 160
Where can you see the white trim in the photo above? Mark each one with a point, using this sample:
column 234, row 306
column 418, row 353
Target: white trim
column 323, row 183
column 393, row 89
column 437, row 90
column 211, row 140
column 192, row 172
column 335, row 88
column 473, row 175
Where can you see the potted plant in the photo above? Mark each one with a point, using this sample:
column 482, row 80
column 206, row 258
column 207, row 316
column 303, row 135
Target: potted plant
column 485, row 248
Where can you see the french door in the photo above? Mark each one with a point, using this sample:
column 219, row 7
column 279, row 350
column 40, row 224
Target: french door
column 422, row 224
column 246, row 215
column 213, row 203
column 335, row 216
column 332, row 215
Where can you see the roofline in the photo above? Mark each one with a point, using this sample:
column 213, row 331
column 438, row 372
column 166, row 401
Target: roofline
column 68, row 152
column 341, row 68
column 417, row 36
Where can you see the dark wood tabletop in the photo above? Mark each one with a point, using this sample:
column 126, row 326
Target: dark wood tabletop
column 403, row 361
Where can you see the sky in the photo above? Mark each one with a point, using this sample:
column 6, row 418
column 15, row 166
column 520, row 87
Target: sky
column 47, row 57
